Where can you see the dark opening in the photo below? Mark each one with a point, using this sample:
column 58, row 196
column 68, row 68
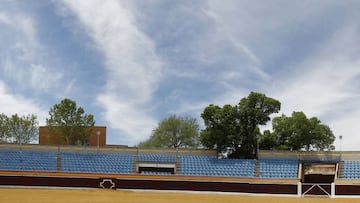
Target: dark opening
column 318, row 172
column 317, row 178
column 156, row 170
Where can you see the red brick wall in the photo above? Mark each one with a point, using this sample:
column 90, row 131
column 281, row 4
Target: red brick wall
column 44, row 136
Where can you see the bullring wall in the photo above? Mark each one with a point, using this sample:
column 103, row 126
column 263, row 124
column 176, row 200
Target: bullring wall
column 145, row 182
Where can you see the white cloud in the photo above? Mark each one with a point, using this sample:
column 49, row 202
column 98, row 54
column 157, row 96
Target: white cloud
column 326, row 92
column 5, row 18
column 17, row 104
column 229, row 49
column 347, row 126
column 25, row 26
column 323, row 79
column 132, row 124
column 23, row 62
column 39, row 77
column 317, row 90
column 133, row 68
column 325, row 86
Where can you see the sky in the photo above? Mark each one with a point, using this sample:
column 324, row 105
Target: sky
column 132, row 63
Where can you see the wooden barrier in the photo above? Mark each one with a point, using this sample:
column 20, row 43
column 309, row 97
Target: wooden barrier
column 147, row 183
column 186, row 183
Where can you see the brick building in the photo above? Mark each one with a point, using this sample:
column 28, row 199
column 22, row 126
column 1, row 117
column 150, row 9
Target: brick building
column 97, row 138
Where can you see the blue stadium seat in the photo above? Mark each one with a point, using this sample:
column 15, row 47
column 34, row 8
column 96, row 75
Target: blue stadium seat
column 211, row 166
column 156, row 158
column 117, row 163
column 278, row 168
column 97, row 163
column 28, row 160
column 351, row 169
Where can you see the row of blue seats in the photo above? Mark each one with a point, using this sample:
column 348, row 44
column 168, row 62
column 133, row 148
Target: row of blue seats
column 97, row 162
column 156, row 158
column 351, row 169
column 27, row 160
column 211, row 166
column 272, row 175
column 278, row 168
column 123, row 163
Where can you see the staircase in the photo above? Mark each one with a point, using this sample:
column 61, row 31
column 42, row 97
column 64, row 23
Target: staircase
column 177, row 166
column 135, row 165
column 58, row 162
column 340, row 169
column 257, row 168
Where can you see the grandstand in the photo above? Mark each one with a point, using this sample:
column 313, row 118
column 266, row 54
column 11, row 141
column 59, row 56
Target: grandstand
column 275, row 172
column 351, row 169
column 212, row 166
column 278, row 168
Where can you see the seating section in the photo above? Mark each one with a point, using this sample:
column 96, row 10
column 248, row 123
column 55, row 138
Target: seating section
column 278, row 168
column 157, row 158
column 351, row 169
column 123, row 163
column 28, row 160
column 97, row 162
column 211, row 166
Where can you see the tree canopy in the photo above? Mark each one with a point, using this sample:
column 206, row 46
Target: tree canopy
column 174, row 132
column 70, row 123
column 4, row 128
column 236, row 128
column 18, row 129
column 222, row 127
column 299, row 132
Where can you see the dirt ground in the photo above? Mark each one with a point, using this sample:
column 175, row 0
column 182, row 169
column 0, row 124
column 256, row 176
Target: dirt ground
column 98, row 195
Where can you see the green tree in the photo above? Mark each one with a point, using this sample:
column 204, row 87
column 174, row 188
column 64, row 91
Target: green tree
column 237, row 127
column 174, row 132
column 299, row 132
column 23, row 129
column 268, row 140
column 70, row 123
column 222, row 127
column 4, row 128
column 255, row 110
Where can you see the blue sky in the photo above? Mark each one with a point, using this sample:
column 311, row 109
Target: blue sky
column 132, row 63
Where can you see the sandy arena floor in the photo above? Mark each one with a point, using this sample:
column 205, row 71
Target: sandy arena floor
column 98, row 195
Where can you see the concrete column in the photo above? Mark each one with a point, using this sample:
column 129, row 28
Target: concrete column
column 333, row 192
column 299, row 189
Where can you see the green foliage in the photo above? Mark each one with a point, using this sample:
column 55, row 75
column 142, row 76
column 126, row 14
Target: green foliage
column 255, row 110
column 18, row 129
column 4, row 128
column 221, row 127
column 268, row 140
column 236, row 127
column 299, row 132
column 174, row 132
column 70, row 123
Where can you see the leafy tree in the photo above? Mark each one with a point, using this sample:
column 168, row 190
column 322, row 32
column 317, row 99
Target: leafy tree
column 222, row 127
column 268, row 140
column 255, row 110
column 299, row 132
column 174, row 132
column 237, row 127
column 23, row 129
column 4, row 128
column 70, row 123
